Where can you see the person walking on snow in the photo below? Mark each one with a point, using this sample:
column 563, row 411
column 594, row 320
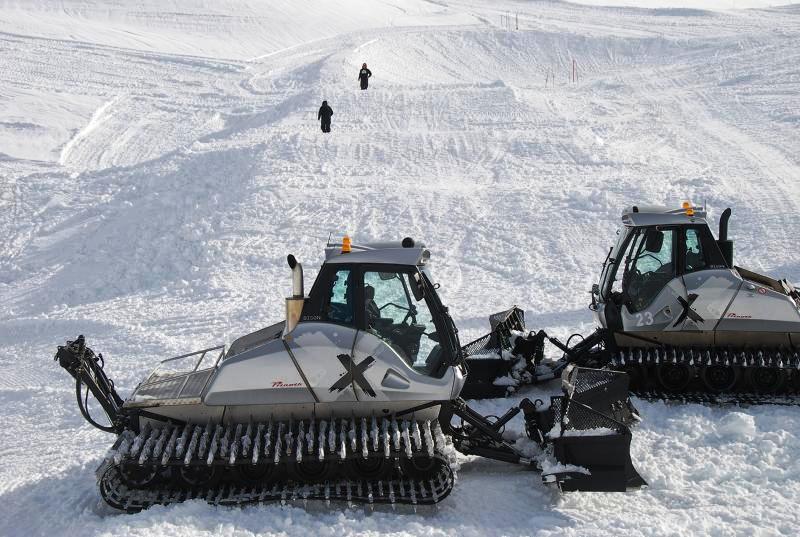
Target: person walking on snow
column 324, row 115
column 363, row 76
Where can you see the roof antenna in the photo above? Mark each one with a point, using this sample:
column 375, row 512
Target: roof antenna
column 329, row 239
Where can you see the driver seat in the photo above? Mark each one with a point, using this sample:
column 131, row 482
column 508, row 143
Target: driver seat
column 371, row 309
column 694, row 260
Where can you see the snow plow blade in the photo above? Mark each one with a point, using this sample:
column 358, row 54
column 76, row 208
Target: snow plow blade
column 490, row 359
column 587, row 431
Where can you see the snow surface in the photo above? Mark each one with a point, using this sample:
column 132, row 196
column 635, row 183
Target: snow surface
column 158, row 160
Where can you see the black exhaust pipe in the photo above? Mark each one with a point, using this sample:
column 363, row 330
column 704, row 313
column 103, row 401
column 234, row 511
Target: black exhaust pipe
column 725, row 245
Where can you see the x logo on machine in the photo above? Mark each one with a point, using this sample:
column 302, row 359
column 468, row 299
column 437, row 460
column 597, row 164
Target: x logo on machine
column 687, row 310
column 355, row 373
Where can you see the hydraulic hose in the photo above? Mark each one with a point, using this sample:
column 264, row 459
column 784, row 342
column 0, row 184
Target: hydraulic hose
column 87, row 369
column 83, row 405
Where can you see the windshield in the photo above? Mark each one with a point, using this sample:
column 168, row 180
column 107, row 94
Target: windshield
column 649, row 265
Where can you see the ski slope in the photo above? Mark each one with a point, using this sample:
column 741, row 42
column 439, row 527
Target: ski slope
column 158, row 160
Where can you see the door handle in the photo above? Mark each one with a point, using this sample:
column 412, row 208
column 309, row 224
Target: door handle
column 394, row 380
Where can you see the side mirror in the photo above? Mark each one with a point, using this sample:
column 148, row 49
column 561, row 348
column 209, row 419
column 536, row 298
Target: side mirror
column 654, row 241
column 416, row 286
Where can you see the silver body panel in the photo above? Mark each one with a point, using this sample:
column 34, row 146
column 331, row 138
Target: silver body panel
column 395, row 380
column 255, row 339
column 715, row 289
column 261, row 376
column 758, row 309
column 267, row 382
column 315, row 347
column 734, row 313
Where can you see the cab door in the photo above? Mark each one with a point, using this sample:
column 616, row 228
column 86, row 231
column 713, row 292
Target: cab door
column 710, row 284
column 652, row 287
column 398, row 352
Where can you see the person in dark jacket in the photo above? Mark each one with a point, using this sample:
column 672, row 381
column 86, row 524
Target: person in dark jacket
column 363, row 76
column 324, row 115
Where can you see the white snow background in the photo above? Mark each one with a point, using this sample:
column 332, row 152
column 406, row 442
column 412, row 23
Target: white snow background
column 158, row 160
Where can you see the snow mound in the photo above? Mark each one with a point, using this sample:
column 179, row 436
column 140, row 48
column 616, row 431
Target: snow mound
column 737, row 425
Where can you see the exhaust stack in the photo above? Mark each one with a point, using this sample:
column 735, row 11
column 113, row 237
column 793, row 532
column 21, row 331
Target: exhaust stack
column 724, row 244
column 294, row 303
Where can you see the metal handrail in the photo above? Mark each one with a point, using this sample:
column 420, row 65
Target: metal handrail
column 204, row 351
column 185, row 374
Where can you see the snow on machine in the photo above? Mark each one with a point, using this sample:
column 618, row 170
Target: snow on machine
column 353, row 397
column 675, row 313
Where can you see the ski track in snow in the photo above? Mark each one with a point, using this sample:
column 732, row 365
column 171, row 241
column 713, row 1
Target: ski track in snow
column 158, row 162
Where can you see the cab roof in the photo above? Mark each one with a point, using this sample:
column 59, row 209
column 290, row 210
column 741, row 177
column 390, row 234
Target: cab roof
column 386, row 253
column 639, row 216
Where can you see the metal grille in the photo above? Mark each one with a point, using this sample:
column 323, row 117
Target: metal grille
column 483, row 346
column 166, row 389
column 505, row 321
column 195, row 384
column 585, row 379
column 556, row 405
column 499, row 339
column 579, row 417
column 178, row 387
column 170, row 381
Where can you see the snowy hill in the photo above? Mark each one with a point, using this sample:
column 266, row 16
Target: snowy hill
column 158, row 160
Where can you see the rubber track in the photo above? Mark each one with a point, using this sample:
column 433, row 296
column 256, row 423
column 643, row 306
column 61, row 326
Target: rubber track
column 158, row 447
column 399, row 490
column 787, row 361
column 733, row 399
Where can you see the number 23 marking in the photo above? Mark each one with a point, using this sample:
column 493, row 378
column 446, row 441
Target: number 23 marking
column 644, row 319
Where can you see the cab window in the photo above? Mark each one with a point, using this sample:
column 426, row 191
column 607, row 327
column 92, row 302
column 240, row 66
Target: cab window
column 695, row 258
column 396, row 311
column 701, row 251
column 338, row 307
